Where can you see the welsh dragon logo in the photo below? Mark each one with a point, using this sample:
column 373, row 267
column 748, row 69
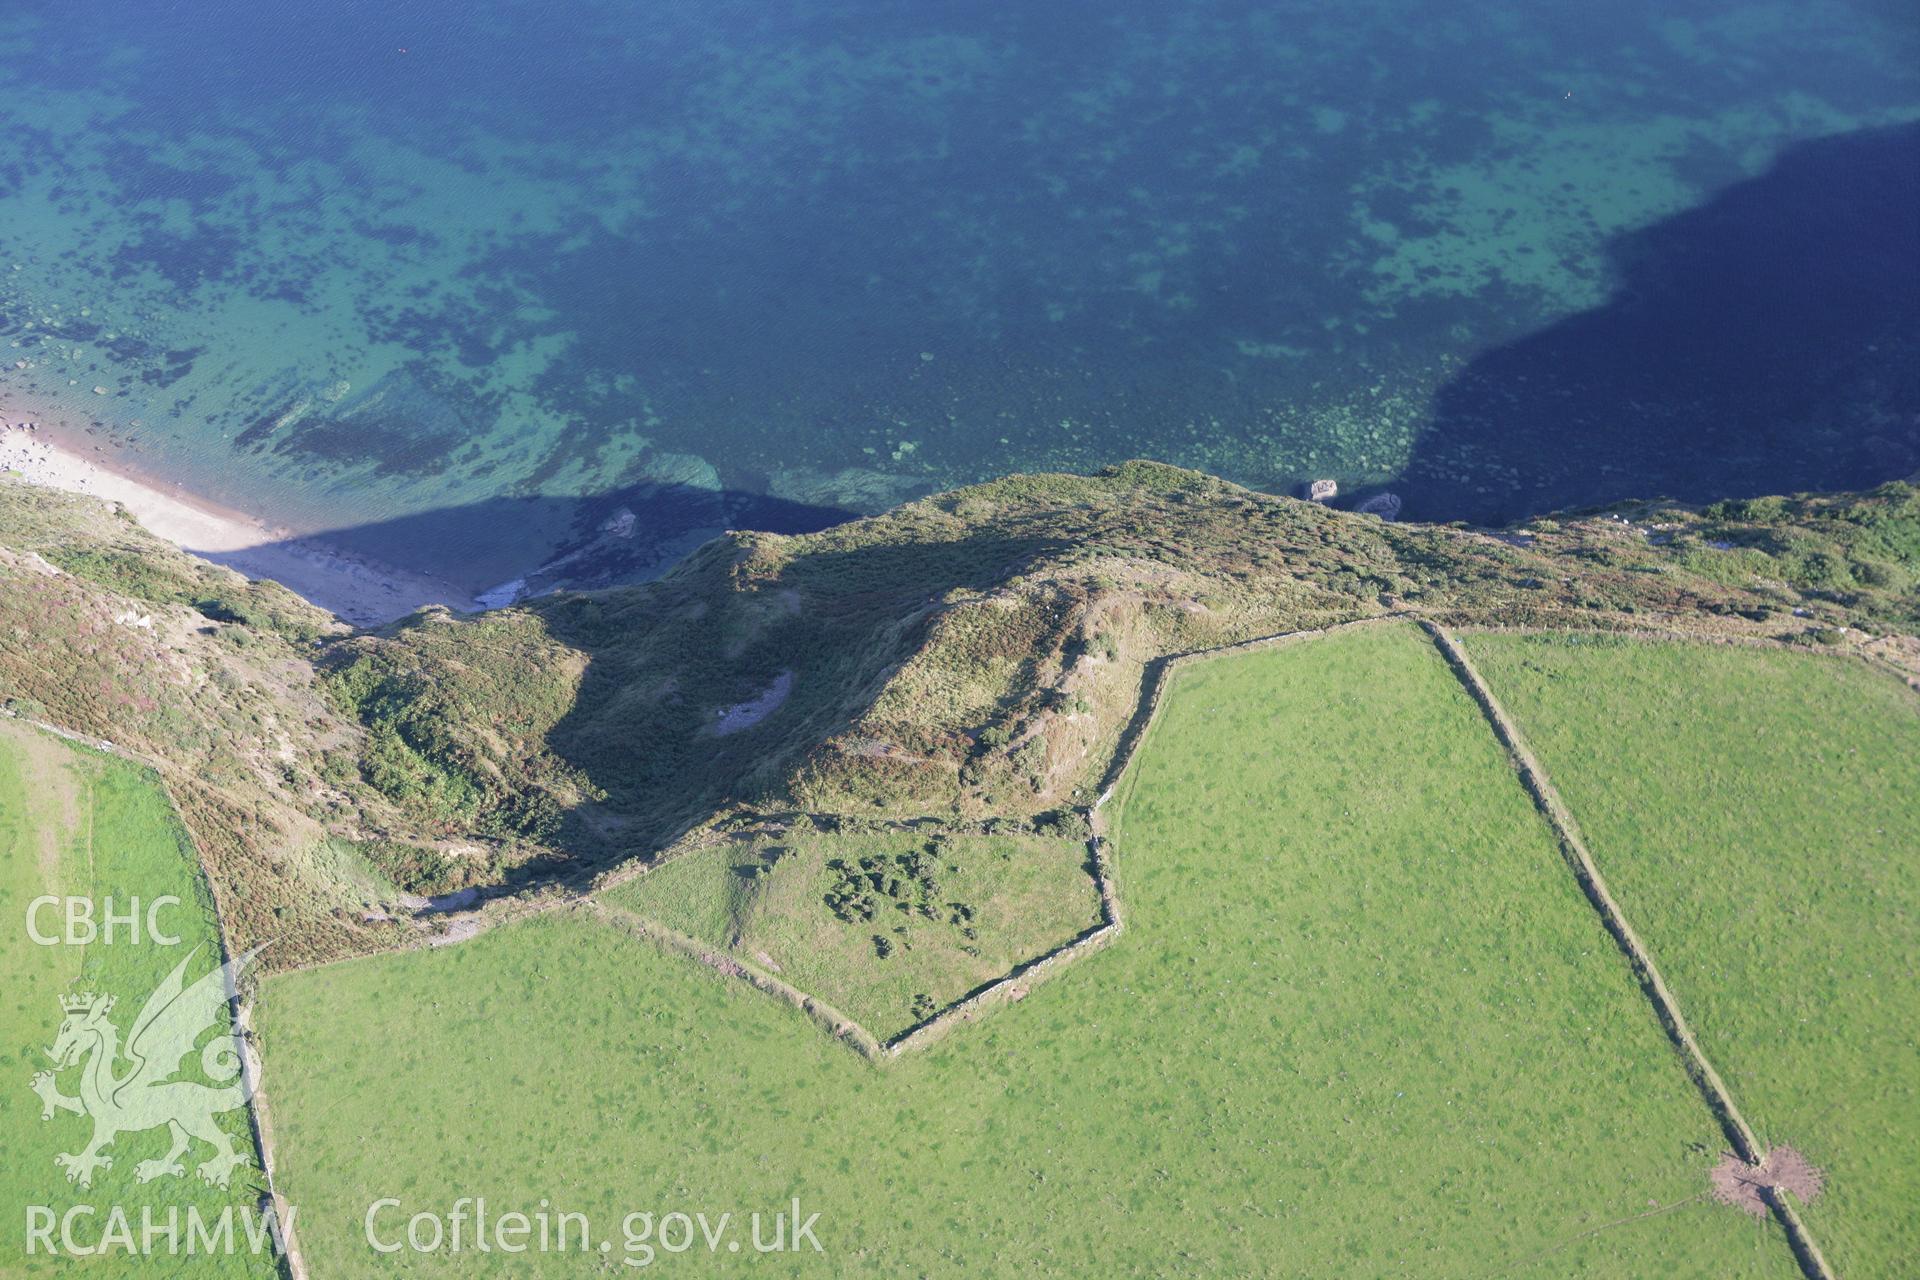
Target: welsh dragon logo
column 144, row 1095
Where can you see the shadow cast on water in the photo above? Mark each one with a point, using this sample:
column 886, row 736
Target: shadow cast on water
column 452, row 555
column 1766, row 341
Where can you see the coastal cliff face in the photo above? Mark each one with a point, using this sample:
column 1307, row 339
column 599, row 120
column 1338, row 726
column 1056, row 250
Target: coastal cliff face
column 975, row 655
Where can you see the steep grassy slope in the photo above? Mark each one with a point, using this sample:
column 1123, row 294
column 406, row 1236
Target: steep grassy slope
column 1754, row 813
column 109, row 633
column 978, row 653
column 972, row 655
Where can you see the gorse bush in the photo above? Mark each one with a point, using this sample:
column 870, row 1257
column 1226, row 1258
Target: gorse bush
column 417, row 868
column 453, row 720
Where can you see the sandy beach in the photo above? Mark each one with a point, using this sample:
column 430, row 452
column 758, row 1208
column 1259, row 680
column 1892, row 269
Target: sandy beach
column 359, row 590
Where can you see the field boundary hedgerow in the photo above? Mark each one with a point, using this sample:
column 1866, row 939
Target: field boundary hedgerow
column 1580, row 860
column 1156, row 678
column 1018, row 981
column 252, row 1074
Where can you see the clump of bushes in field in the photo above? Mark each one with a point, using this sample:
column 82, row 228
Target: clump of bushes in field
column 906, row 884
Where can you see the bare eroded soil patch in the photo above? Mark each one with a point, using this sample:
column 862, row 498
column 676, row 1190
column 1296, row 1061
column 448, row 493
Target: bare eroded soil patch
column 1741, row 1185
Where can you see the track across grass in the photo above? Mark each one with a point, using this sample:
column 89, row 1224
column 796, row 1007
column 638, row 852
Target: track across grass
column 1361, row 1021
column 1755, row 813
column 73, row 822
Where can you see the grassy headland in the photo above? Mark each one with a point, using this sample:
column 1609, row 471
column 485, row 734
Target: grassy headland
column 972, row 655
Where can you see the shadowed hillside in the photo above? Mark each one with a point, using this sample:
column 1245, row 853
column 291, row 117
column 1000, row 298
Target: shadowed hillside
column 978, row 653
column 973, row 657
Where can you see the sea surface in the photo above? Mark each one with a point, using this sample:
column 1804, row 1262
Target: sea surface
column 463, row 282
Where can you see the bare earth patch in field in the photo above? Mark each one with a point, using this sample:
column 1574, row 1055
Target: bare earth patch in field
column 1740, row 1184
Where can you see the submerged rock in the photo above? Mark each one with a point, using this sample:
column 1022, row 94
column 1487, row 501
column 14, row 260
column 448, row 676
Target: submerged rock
column 1385, row 505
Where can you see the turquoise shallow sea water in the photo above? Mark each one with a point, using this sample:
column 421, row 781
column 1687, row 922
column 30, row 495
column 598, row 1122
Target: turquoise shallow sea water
column 467, row 279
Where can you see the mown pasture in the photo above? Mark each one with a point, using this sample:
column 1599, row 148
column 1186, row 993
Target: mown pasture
column 1360, row 1022
column 1754, row 811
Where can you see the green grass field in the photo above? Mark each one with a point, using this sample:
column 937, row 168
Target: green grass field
column 1754, row 812
column 886, row 926
column 1361, row 1023
column 76, row 823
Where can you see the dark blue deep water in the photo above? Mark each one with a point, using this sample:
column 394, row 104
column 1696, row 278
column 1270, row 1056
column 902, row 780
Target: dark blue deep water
column 463, row 276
